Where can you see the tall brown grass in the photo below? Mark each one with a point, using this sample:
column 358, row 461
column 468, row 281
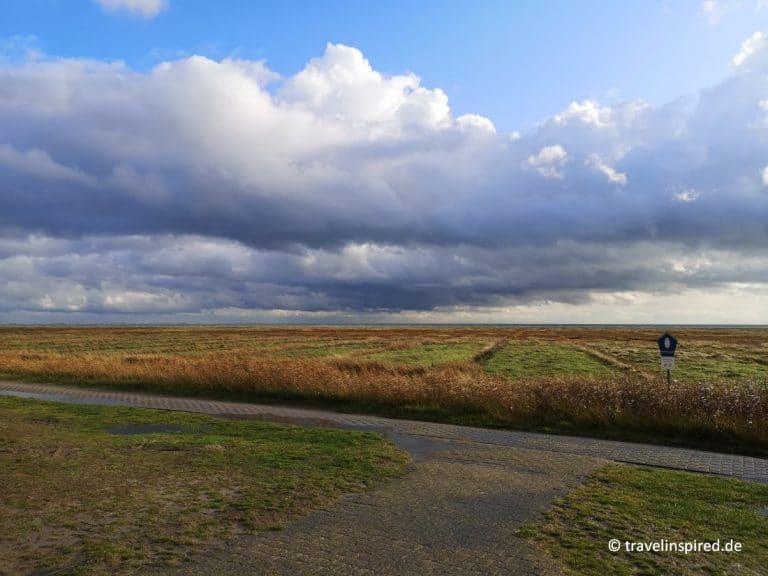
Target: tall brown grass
column 736, row 413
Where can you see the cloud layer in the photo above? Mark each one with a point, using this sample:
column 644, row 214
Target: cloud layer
column 206, row 186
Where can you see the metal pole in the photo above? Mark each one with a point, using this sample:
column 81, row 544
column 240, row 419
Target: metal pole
column 668, row 382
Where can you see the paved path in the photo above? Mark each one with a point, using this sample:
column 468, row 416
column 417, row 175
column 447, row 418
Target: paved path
column 404, row 431
column 455, row 512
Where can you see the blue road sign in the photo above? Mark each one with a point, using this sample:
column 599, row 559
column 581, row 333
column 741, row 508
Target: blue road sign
column 667, row 344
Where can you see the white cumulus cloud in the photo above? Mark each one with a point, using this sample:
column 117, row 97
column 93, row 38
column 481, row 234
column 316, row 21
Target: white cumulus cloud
column 686, row 195
column 549, row 161
column 145, row 8
column 342, row 86
column 610, row 172
column 749, row 47
column 588, row 112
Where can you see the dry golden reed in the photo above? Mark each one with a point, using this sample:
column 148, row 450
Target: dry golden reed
column 737, row 411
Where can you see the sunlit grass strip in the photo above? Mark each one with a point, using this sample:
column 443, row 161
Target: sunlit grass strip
column 633, row 504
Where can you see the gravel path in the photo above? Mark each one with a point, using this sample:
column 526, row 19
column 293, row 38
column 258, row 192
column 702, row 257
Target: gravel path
column 454, row 513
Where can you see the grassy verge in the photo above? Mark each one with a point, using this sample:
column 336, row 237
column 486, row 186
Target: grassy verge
column 635, row 504
column 92, row 490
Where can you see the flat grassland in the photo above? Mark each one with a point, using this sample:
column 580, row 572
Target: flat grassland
column 105, row 490
column 579, row 380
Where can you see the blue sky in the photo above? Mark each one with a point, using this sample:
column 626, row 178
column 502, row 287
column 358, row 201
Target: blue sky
column 517, row 63
column 190, row 161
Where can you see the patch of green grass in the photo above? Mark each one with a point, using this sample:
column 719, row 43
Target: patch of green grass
column 698, row 361
column 82, row 495
column 320, row 350
column 429, row 354
column 535, row 359
column 650, row 505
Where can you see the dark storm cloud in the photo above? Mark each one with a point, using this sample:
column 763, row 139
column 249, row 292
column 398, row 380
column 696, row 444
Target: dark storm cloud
column 196, row 187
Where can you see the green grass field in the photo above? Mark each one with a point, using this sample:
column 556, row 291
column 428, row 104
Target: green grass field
column 635, row 504
column 701, row 361
column 90, row 489
column 429, row 354
column 538, row 359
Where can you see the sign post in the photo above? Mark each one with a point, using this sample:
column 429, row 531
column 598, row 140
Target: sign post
column 667, row 345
